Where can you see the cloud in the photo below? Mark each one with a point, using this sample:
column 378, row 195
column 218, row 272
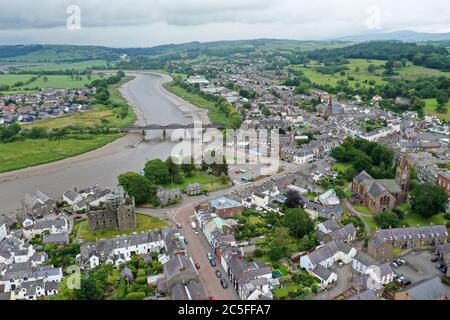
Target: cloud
column 140, row 22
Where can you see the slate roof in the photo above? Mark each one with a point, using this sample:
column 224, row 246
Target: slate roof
column 364, row 295
column 322, row 272
column 177, row 265
column 430, row 232
column 430, row 289
column 365, row 259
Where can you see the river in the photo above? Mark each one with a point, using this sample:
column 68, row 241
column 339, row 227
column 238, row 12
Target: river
column 153, row 105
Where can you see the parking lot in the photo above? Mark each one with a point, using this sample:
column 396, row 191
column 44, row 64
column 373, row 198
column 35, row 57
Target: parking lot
column 419, row 267
column 344, row 282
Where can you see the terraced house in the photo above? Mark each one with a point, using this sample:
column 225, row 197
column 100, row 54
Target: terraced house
column 381, row 245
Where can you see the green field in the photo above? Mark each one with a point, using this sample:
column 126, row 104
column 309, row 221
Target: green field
column 144, row 223
column 209, row 183
column 11, row 79
column 412, row 72
column 60, row 82
column 22, row 154
column 430, row 109
column 414, row 220
column 360, row 75
column 83, row 65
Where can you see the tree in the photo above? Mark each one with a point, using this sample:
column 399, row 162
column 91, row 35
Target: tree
column 188, row 167
column 386, row 220
column 298, row 222
column 428, row 200
column 138, row 187
column 293, row 199
column 220, row 168
column 89, row 289
column 157, row 172
column 173, row 168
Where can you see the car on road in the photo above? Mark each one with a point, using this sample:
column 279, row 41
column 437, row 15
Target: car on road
column 213, row 263
column 210, row 256
column 179, row 226
column 193, row 225
column 196, row 233
column 218, row 274
column 395, row 265
column 224, row 283
column 401, row 262
column 197, row 266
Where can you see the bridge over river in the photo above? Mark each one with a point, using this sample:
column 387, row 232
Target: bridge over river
column 144, row 130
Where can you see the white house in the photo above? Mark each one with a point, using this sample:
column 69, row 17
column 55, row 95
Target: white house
column 325, row 275
column 327, row 255
column 329, row 198
column 260, row 200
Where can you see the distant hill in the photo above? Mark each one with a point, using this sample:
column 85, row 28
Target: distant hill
column 407, row 36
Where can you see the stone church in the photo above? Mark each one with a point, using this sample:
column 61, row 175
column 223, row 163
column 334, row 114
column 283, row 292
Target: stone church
column 116, row 213
column 382, row 194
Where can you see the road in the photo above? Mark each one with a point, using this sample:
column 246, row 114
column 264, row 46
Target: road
column 198, row 249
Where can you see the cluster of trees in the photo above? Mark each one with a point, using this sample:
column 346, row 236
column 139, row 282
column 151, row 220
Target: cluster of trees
column 62, row 256
column 428, row 200
column 101, row 85
column 233, row 116
column 372, row 157
column 158, row 172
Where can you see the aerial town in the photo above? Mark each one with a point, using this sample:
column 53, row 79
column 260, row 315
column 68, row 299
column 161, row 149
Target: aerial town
column 349, row 202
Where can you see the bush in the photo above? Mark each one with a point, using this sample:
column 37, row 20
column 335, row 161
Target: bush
column 447, row 216
column 446, row 281
column 135, row 296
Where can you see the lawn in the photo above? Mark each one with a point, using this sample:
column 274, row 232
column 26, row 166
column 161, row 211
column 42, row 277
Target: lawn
column 371, row 222
column 281, row 293
column 144, row 223
column 22, row 154
column 364, row 210
column 414, row 220
column 209, row 183
column 342, row 167
column 430, row 109
column 10, row 79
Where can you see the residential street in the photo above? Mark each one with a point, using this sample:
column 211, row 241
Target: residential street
column 198, row 249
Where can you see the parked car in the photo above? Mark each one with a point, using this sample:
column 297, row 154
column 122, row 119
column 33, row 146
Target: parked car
column 210, row 256
column 196, row 233
column 401, row 262
column 186, row 241
column 406, row 283
column 444, row 269
column 213, row 263
column 179, row 226
column 218, row 274
column 224, row 283
column 395, row 265
column 440, row 266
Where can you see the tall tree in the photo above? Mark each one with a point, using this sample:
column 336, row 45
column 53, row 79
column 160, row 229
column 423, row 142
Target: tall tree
column 156, row 171
column 428, row 200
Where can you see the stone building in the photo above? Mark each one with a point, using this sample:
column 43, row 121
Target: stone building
column 380, row 246
column 382, row 194
column 116, row 213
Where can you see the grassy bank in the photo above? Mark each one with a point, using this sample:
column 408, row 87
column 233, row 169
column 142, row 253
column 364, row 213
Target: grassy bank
column 209, row 183
column 144, row 223
column 22, row 154
column 215, row 115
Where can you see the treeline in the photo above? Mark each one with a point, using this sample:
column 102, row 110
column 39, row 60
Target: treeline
column 434, row 57
column 14, row 132
column 374, row 158
column 233, row 116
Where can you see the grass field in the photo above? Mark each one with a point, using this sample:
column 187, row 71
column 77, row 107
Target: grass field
column 22, row 154
column 144, row 223
column 412, row 72
column 60, row 82
column 10, row 79
column 360, row 75
column 430, row 109
column 83, row 65
column 209, row 183
column 341, row 167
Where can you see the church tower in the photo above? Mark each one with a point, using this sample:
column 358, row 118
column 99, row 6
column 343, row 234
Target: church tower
column 403, row 178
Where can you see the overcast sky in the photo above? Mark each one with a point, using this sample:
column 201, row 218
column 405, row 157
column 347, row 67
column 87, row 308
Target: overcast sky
column 141, row 23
